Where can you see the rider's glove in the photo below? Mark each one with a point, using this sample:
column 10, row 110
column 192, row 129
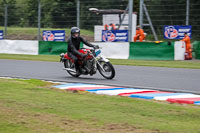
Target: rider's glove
column 83, row 55
column 96, row 46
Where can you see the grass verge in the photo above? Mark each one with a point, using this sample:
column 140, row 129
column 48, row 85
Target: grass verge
column 32, row 106
column 34, row 31
column 195, row 64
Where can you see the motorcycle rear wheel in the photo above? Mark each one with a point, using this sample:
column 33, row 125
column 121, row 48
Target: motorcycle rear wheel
column 69, row 64
column 108, row 72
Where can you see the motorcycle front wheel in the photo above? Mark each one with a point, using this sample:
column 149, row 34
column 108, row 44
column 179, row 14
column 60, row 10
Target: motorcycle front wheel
column 106, row 70
column 70, row 65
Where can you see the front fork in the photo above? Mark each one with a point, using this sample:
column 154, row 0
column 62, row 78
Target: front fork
column 101, row 59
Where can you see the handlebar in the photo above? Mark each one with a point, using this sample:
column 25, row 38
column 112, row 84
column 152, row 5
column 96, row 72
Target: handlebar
column 97, row 48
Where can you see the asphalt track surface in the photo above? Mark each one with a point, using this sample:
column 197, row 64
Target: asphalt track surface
column 159, row 78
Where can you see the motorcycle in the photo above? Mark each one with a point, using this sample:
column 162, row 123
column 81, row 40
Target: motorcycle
column 89, row 65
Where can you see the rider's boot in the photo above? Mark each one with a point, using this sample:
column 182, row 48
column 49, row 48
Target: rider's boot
column 76, row 66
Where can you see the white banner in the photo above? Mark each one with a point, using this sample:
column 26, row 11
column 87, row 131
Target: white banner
column 114, row 50
column 19, row 47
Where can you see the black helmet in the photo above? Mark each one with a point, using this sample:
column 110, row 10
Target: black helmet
column 75, row 30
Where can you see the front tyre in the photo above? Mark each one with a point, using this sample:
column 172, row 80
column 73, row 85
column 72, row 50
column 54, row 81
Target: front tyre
column 106, row 70
column 69, row 64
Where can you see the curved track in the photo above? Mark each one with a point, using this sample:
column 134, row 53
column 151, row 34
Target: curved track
column 171, row 79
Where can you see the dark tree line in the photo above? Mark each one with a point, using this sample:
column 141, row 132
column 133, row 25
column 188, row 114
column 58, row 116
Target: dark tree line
column 11, row 5
column 56, row 13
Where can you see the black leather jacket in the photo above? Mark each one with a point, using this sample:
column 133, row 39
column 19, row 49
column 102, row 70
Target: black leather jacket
column 74, row 44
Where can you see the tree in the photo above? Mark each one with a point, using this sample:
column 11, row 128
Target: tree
column 64, row 13
column 11, row 11
column 32, row 13
column 1, row 13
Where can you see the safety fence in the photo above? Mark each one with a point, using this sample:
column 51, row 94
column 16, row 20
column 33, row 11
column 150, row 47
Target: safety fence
column 196, row 48
column 142, row 51
column 172, row 12
column 25, row 19
column 52, row 48
column 152, row 51
column 19, row 47
column 113, row 50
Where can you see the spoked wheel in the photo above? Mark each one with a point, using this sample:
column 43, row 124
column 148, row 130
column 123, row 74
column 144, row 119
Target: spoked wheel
column 72, row 71
column 106, row 70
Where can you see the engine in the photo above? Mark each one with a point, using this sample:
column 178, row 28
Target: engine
column 90, row 66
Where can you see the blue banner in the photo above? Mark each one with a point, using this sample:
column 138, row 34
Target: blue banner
column 114, row 35
column 54, row 35
column 176, row 31
column 1, row 34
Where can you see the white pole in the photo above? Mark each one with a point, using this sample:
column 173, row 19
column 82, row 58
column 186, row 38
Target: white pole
column 130, row 20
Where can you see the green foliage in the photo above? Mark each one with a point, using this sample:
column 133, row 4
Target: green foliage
column 62, row 13
column 57, row 13
column 11, row 7
column 1, row 13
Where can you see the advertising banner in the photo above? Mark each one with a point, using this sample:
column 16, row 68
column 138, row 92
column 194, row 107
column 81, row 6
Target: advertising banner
column 177, row 31
column 114, row 35
column 54, row 35
column 1, row 34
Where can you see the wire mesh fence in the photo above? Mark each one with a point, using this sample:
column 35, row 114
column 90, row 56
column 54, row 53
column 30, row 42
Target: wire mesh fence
column 173, row 12
column 22, row 16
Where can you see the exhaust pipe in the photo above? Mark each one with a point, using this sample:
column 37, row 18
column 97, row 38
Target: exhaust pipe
column 68, row 69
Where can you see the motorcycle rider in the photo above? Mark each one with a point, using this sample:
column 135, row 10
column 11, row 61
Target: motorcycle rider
column 74, row 45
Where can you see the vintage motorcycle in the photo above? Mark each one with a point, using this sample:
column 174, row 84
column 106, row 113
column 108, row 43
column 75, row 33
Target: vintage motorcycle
column 89, row 65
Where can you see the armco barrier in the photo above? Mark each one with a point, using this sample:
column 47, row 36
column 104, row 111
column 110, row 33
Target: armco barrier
column 179, row 50
column 19, row 47
column 151, row 51
column 52, row 48
column 196, row 49
column 114, row 50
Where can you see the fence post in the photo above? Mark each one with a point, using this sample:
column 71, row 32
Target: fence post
column 6, row 20
column 141, row 13
column 150, row 23
column 130, row 20
column 39, row 15
column 187, row 12
column 78, row 14
column 124, row 14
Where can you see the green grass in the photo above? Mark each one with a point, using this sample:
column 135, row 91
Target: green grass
column 53, row 58
column 34, row 31
column 195, row 64
column 32, row 106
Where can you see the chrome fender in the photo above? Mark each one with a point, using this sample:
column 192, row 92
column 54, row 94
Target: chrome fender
column 103, row 59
